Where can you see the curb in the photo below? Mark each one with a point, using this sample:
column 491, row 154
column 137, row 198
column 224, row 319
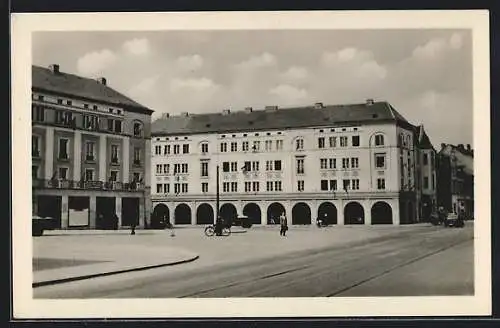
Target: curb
column 110, row 273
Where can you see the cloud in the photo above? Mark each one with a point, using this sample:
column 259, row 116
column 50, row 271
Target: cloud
column 96, row 62
column 190, row 63
column 146, row 87
column 353, row 62
column 195, row 84
column 264, row 60
column 137, row 47
column 296, row 73
column 288, row 93
column 431, row 49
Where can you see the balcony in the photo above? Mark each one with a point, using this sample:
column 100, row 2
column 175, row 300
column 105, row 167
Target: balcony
column 90, row 158
column 87, row 185
column 63, row 157
column 114, row 161
column 137, row 162
column 35, row 153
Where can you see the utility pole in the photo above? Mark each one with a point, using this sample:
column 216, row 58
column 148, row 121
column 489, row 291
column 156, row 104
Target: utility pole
column 217, row 195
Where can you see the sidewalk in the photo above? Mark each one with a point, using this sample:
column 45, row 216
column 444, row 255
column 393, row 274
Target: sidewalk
column 61, row 256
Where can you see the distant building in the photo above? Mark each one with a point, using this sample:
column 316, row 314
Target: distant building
column 349, row 164
column 456, row 178
column 90, row 149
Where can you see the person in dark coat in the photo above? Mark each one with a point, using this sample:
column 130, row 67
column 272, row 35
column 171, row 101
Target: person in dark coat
column 283, row 224
column 218, row 226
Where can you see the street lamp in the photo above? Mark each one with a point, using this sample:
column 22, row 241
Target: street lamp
column 217, row 195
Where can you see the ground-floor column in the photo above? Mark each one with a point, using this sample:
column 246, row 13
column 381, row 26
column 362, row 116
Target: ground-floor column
column 368, row 212
column 263, row 213
column 92, row 212
column 141, row 214
column 340, row 212
column 288, row 212
column 396, row 212
column 118, row 210
column 193, row 207
column 64, row 212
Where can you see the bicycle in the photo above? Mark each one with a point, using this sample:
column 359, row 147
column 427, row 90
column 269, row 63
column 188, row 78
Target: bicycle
column 210, row 231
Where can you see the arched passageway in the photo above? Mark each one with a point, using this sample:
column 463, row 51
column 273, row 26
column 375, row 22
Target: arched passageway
column 160, row 217
column 252, row 210
column 228, row 212
column 381, row 213
column 205, row 214
column 354, row 213
column 327, row 211
column 182, row 214
column 274, row 212
column 301, row 214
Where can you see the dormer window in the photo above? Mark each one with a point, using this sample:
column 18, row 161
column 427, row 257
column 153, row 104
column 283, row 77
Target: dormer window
column 137, row 129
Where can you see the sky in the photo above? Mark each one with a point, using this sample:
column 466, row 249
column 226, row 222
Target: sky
column 425, row 74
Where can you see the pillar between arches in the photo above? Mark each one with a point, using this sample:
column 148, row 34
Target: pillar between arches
column 367, row 207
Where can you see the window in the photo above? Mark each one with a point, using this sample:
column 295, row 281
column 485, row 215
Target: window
column 111, row 124
column 299, row 144
column 204, row 148
column 204, row 187
column 343, row 141
column 300, row 185
column 38, row 113
column 157, row 150
column 177, row 149
column 277, row 165
column 34, row 172
column 184, row 168
column 159, row 188
column 86, row 106
column 380, row 184
column 223, row 147
column 379, row 140
column 177, row 188
column 185, row 149
column 425, row 159
column 137, row 129
column 333, row 142
column 90, row 122
column 346, row 184
column 89, row 151
column 114, row 154
column 59, row 101
column 137, row 155
column 35, row 146
column 177, row 168
column 269, row 165
column 380, row 161
column 432, row 159
column 234, row 186
column 355, row 141
column 244, row 146
column 234, row 146
column 166, row 150
column 255, row 166
column 324, row 185
column 184, row 187
column 268, row 145
column 225, row 167
column 255, row 186
column 355, row 184
column 354, row 162
column 269, row 186
column 321, row 142
column 63, row 148
column 279, row 144
column 323, row 163
column 40, row 97
column 69, row 102
column 113, row 175
column 95, row 107
column 333, row 185
column 225, row 187
column 166, row 188
column 137, row 176
column 426, row 182
column 166, row 168
column 332, row 163
column 204, row 169
column 248, row 186
column 64, row 118
column 345, row 163
column 247, row 167
column 256, row 146
column 63, row 173
column 433, row 182
column 277, row 186
column 158, row 168
column 300, row 166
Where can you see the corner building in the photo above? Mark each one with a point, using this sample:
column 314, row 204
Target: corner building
column 90, row 152
column 349, row 164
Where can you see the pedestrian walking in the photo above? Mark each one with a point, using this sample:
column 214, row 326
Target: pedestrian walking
column 132, row 232
column 283, row 224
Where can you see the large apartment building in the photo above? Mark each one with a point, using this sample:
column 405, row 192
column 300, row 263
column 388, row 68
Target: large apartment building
column 349, row 164
column 90, row 152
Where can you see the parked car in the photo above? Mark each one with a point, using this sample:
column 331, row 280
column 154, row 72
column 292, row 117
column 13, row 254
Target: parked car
column 242, row 221
column 40, row 224
column 454, row 220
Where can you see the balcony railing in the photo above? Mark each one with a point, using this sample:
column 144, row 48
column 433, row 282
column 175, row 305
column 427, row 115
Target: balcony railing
column 87, row 185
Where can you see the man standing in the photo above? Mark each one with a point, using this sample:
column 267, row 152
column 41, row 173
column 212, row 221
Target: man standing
column 283, row 224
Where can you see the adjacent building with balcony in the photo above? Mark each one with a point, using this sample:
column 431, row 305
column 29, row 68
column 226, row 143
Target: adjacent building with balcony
column 90, row 152
column 348, row 164
column 456, row 179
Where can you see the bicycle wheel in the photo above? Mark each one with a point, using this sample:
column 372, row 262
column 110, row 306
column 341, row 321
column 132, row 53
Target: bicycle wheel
column 226, row 231
column 209, row 231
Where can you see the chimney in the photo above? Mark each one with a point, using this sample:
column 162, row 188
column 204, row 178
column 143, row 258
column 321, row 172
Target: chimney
column 318, row 105
column 54, row 68
column 468, row 148
column 370, row 101
column 102, row 80
column 461, row 147
column 226, row 112
column 185, row 114
column 271, row 107
column 248, row 109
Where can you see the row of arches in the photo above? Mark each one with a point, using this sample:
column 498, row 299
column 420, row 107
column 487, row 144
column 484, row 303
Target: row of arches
column 381, row 213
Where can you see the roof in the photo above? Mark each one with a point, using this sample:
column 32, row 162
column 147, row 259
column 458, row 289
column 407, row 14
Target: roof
column 80, row 87
column 282, row 118
column 423, row 139
column 464, row 158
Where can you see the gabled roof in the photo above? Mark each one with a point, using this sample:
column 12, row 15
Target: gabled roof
column 282, row 118
column 43, row 79
column 423, row 139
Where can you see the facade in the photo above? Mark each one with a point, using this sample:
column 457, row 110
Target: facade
column 90, row 152
column 348, row 164
column 456, row 179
